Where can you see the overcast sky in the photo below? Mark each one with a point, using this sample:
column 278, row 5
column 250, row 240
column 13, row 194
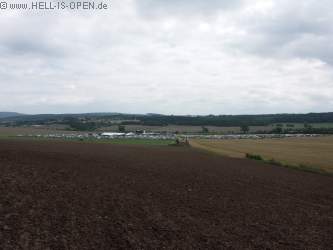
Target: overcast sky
column 171, row 57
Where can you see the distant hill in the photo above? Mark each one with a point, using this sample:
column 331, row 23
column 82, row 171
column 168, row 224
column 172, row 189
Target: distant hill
column 9, row 114
column 103, row 119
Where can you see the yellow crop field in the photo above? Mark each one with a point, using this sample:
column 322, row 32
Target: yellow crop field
column 314, row 152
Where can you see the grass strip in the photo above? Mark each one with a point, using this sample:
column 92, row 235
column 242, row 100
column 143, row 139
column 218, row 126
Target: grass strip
column 301, row 167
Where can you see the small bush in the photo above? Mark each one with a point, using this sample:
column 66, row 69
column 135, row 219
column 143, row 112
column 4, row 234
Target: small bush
column 275, row 162
column 254, row 157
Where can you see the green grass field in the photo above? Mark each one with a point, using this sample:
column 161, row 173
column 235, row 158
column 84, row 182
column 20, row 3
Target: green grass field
column 125, row 141
column 315, row 153
column 134, row 142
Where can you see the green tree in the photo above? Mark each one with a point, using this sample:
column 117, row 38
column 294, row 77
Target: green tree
column 277, row 130
column 307, row 126
column 245, row 128
column 121, row 128
column 205, row 130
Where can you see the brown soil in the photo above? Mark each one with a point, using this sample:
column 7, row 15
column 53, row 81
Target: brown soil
column 57, row 195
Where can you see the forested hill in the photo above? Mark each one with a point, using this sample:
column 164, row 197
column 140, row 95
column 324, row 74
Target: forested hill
column 238, row 120
column 162, row 120
column 8, row 114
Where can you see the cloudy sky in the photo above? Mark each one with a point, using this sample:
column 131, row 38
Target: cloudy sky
column 171, row 57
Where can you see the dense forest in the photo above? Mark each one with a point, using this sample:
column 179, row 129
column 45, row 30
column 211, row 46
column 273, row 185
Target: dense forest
column 237, row 120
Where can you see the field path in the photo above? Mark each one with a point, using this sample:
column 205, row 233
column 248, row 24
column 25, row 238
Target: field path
column 58, row 195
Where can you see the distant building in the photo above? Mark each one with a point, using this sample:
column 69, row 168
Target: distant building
column 112, row 134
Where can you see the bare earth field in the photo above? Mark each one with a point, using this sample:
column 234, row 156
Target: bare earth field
column 66, row 195
column 315, row 152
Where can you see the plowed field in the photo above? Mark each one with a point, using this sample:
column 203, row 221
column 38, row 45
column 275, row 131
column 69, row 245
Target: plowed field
column 66, row 195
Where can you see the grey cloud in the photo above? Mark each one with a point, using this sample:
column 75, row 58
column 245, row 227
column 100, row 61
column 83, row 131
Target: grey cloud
column 22, row 46
column 298, row 29
column 127, row 62
column 156, row 8
column 29, row 35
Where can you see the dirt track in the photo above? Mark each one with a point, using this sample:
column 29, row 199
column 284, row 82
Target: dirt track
column 56, row 195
